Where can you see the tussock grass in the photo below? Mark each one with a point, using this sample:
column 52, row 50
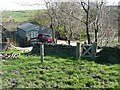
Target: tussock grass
column 57, row 72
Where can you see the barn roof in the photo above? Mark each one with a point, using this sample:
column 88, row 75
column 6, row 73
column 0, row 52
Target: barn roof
column 28, row 26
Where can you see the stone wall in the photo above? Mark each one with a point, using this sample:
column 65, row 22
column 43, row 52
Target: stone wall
column 55, row 49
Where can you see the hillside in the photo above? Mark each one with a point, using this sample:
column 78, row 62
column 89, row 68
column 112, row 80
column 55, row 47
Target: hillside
column 18, row 16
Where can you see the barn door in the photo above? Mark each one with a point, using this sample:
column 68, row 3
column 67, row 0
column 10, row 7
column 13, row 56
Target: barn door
column 33, row 34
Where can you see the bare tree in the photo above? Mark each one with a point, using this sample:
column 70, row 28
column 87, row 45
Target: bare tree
column 93, row 11
column 62, row 14
column 66, row 18
column 73, row 14
column 119, row 22
column 108, row 26
column 86, row 7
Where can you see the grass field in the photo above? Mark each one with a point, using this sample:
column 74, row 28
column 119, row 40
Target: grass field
column 58, row 72
column 18, row 16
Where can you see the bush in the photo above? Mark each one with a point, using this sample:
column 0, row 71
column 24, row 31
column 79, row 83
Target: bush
column 110, row 55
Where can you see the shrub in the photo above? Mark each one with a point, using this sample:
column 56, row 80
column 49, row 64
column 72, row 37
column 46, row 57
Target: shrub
column 109, row 55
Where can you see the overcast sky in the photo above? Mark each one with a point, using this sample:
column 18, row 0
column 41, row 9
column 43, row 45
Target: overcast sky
column 24, row 4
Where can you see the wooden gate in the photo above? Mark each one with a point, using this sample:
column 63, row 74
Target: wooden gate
column 88, row 50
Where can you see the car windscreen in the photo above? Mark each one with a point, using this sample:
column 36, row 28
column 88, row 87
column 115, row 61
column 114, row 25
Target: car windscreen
column 48, row 36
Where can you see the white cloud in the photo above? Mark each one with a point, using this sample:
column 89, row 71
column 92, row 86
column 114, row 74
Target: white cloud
column 21, row 4
column 112, row 2
column 30, row 4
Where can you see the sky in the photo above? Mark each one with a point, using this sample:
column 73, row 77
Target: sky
column 14, row 5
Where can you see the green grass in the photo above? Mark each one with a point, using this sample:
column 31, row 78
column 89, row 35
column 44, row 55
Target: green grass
column 18, row 16
column 57, row 72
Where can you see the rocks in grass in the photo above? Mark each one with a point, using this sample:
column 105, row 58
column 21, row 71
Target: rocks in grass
column 97, row 77
column 41, row 72
column 47, row 68
column 1, row 73
column 12, row 83
column 15, row 56
column 9, row 56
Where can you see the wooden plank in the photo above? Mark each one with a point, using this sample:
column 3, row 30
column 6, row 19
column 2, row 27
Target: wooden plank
column 78, row 51
column 41, row 52
column 86, row 50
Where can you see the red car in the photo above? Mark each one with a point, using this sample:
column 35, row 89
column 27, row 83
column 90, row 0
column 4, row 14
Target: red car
column 45, row 38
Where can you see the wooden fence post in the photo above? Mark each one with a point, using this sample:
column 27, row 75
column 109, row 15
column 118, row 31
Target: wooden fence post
column 41, row 52
column 93, row 50
column 78, row 51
